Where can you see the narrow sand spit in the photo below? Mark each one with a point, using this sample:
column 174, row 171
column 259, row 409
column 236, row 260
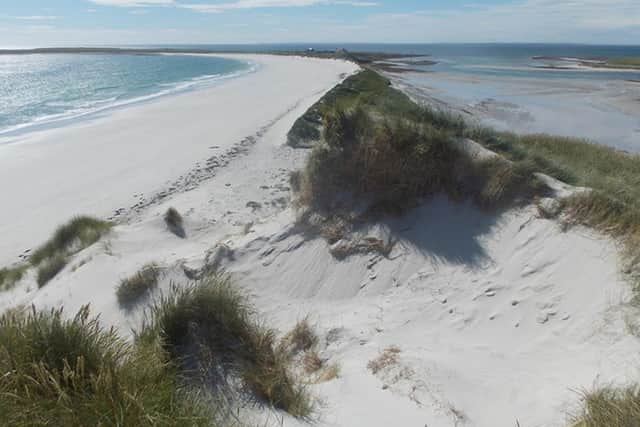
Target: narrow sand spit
column 491, row 320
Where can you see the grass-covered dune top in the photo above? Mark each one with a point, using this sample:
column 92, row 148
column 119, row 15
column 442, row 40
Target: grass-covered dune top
column 372, row 141
column 371, row 138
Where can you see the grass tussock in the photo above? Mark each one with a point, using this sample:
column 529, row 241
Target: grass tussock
column 209, row 329
column 301, row 338
column 391, row 161
column 174, row 222
column 79, row 233
column 391, row 164
column 9, row 276
column 50, row 268
column 133, row 289
column 388, row 357
column 50, row 258
column 74, row 372
column 611, row 407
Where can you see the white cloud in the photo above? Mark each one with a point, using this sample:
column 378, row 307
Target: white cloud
column 37, row 18
column 588, row 21
column 133, row 3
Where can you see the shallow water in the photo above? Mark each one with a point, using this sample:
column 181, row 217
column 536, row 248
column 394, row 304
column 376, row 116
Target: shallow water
column 40, row 89
column 602, row 111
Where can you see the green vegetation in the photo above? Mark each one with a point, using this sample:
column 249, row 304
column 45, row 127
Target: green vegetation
column 611, row 407
column 9, row 276
column 78, row 234
column 50, row 268
column 623, row 62
column 209, row 330
column 50, row 258
column 366, row 88
column 174, row 222
column 380, row 146
column 73, row 373
column 131, row 290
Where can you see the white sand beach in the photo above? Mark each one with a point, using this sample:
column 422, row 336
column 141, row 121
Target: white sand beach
column 103, row 164
column 500, row 320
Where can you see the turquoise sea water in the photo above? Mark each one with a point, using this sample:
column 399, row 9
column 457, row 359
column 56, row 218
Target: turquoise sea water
column 44, row 89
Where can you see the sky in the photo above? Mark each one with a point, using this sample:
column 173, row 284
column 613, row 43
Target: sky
column 35, row 23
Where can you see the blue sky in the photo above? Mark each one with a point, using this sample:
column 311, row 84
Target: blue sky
column 87, row 22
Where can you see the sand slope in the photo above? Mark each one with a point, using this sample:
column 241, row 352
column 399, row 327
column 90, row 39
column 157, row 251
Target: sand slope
column 499, row 318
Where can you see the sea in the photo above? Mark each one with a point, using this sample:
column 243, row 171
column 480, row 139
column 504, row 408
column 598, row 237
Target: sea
column 44, row 89
column 49, row 89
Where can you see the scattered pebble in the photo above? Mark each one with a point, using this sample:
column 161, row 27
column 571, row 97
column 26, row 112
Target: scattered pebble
column 514, row 303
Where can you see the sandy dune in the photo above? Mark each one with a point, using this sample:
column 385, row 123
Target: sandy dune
column 500, row 319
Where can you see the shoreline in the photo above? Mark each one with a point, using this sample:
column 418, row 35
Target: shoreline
column 107, row 163
column 8, row 135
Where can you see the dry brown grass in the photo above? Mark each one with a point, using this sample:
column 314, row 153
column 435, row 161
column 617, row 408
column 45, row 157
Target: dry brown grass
column 389, row 356
column 301, row 338
column 366, row 245
column 611, row 407
column 328, row 373
column 312, row 362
